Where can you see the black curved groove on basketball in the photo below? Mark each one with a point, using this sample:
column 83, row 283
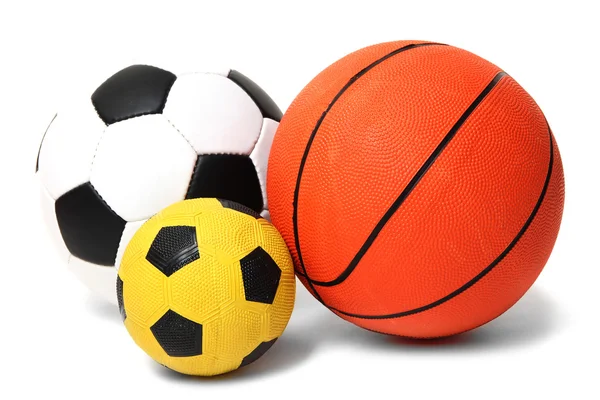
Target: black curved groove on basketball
column 132, row 92
column 483, row 273
column 90, row 228
column 265, row 103
column 411, row 185
column 37, row 162
column 312, row 138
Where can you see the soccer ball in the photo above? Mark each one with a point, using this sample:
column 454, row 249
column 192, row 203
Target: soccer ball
column 206, row 286
column 143, row 140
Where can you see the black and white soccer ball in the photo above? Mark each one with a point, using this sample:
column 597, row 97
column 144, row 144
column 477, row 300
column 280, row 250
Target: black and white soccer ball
column 145, row 139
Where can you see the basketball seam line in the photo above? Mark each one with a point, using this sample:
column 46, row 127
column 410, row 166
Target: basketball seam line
column 412, row 184
column 484, row 272
column 312, row 137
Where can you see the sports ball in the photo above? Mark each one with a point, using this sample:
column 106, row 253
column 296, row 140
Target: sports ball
column 206, row 286
column 419, row 189
column 145, row 139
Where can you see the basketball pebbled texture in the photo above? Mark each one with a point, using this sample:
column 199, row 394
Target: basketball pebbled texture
column 418, row 187
column 213, row 312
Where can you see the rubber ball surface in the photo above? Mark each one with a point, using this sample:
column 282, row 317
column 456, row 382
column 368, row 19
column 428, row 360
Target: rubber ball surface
column 419, row 189
column 206, row 286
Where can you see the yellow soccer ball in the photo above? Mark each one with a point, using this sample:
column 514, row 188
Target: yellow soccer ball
column 206, row 286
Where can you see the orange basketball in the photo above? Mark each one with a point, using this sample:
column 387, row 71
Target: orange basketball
column 418, row 187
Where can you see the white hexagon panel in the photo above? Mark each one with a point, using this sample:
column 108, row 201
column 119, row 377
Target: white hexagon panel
column 69, row 145
column 142, row 165
column 143, row 140
column 214, row 114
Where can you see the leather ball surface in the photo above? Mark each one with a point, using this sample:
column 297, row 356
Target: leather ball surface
column 419, row 188
column 206, row 286
column 147, row 138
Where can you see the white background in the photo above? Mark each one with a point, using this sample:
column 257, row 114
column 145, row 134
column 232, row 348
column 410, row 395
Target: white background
column 58, row 340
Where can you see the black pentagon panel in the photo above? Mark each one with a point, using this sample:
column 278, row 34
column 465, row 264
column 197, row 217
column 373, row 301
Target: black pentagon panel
column 226, row 176
column 173, row 248
column 239, row 207
column 264, row 102
column 120, row 297
column 37, row 162
column 261, row 276
column 177, row 335
column 257, row 353
column 131, row 92
column 90, row 229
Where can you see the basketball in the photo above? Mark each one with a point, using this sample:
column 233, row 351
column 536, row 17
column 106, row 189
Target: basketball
column 418, row 187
